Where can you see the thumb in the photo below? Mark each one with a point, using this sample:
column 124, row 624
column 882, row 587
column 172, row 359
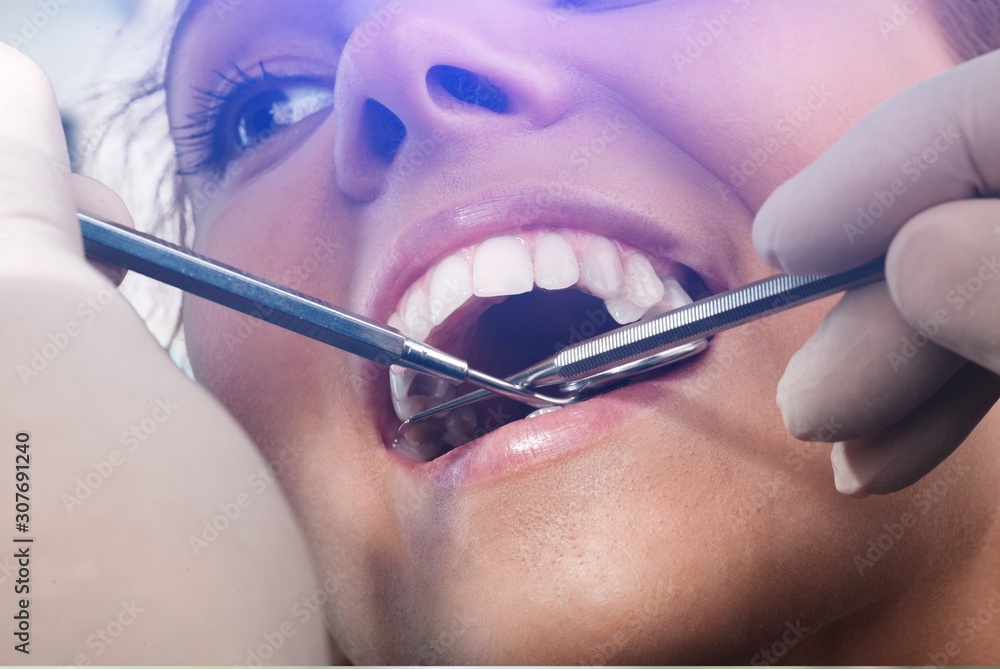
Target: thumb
column 943, row 271
column 36, row 200
column 96, row 199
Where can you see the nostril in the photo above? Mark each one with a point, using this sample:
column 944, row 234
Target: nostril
column 385, row 130
column 469, row 88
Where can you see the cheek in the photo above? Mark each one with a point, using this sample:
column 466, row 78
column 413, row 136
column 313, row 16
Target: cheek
column 282, row 226
column 753, row 91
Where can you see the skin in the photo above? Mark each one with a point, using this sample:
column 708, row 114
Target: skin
column 113, row 576
column 699, row 531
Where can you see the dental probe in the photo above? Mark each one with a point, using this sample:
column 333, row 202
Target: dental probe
column 256, row 297
column 608, row 361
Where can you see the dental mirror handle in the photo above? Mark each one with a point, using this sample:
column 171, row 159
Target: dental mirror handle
column 699, row 320
column 669, row 338
column 288, row 309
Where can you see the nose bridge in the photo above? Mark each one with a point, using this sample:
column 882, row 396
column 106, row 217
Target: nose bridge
column 430, row 70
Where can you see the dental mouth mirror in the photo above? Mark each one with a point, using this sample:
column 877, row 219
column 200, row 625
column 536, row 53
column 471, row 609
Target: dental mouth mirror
column 578, row 372
column 608, row 361
column 256, row 297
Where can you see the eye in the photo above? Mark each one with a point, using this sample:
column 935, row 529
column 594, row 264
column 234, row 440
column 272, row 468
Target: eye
column 269, row 113
column 253, row 110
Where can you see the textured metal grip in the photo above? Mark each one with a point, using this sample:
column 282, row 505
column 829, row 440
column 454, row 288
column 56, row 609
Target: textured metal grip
column 240, row 291
column 709, row 317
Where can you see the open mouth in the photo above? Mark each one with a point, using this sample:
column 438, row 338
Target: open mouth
column 512, row 301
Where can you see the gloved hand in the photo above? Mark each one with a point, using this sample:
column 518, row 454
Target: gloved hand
column 901, row 372
column 128, row 459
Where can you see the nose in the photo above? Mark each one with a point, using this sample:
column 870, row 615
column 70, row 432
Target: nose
column 424, row 81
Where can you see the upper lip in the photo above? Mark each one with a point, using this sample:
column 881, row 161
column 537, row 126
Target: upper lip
column 420, row 245
column 415, row 248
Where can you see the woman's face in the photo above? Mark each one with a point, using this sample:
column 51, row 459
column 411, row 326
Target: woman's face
column 431, row 156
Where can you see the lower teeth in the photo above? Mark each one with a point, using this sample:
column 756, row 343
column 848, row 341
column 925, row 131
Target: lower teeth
column 412, row 392
column 542, row 412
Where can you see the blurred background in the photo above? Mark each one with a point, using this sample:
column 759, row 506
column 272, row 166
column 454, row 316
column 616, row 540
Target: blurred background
column 99, row 54
column 69, row 38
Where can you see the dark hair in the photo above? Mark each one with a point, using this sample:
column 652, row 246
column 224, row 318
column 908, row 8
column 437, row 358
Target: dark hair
column 972, row 27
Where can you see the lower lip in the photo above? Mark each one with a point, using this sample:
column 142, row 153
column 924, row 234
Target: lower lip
column 527, row 444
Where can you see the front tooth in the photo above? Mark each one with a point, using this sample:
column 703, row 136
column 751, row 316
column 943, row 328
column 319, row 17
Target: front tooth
column 601, row 271
column 460, row 426
column 645, row 289
column 556, row 266
column 400, row 382
column 623, row 311
column 542, row 412
column 416, row 313
column 451, row 286
column 407, row 407
column 675, row 294
column 413, row 392
column 502, row 266
column 434, row 388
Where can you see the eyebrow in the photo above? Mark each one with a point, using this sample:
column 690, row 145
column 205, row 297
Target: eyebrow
column 190, row 10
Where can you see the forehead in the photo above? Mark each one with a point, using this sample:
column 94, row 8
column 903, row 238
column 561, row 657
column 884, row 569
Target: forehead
column 201, row 23
column 192, row 10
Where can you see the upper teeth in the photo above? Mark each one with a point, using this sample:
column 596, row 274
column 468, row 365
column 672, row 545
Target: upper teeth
column 511, row 265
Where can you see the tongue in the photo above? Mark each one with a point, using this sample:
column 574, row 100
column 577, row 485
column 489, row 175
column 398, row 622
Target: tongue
column 506, row 338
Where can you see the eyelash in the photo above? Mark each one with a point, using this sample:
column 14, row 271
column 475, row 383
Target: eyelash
column 206, row 138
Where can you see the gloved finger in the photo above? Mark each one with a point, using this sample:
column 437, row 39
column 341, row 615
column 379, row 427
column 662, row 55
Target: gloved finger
column 36, row 200
column 93, row 197
column 944, row 267
column 933, row 143
column 909, row 450
column 863, row 369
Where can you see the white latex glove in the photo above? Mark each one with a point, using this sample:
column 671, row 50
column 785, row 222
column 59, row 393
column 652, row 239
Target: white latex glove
column 128, row 459
column 900, row 372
